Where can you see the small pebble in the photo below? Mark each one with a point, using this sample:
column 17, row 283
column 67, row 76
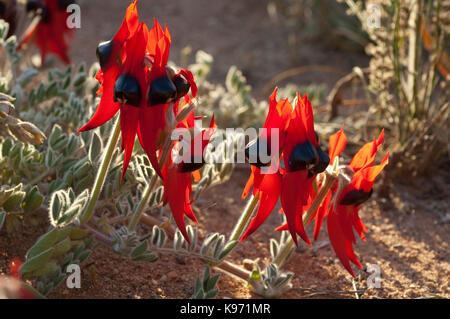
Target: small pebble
column 248, row 264
column 172, row 275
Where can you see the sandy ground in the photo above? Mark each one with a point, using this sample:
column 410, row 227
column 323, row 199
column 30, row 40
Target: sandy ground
column 407, row 239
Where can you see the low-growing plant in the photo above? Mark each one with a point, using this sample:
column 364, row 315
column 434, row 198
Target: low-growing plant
column 63, row 159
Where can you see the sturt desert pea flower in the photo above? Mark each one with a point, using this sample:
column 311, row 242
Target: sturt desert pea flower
column 135, row 80
column 51, row 32
column 342, row 210
column 8, row 12
column 178, row 175
column 266, row 185
column 303, row 159
column 111, row 55
column 337, row 143
column 11, row 286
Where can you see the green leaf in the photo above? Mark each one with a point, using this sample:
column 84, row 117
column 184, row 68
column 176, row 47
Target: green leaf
column 84, row 255
column 207, row 243
column 227, row 249
column 149, row 257
column 211, row 294
column 2, row 219
column 96, row 147
column 63, row 247
column 212, row 282
column 36, row 262
column 273, row 248
column 43, row 243
column 13, row 202
column 206, row 274
column 139, row 250
column 33, row 200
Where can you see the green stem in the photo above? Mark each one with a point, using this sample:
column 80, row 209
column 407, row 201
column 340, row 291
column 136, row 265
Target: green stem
column 145, row 198
column 285, row 251
column 150, row 187
column 245, row 218
column 101, row 175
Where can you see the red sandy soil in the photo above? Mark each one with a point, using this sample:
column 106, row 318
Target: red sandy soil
column 407, row 238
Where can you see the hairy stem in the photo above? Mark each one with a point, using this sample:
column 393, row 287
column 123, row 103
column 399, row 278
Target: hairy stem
column 245, row 218
column 285, row 251
column 145, row 198
column 101, row 175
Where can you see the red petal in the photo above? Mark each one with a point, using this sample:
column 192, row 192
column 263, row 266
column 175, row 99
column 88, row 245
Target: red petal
column 365, row 178
column 294, row 195
column 249, row 184
column 129, row 117
column 337, row 144
column 190, row 78
column 366, row 155
column 268, row 198
column 338, row 241
column 176, row 189
column 151, row 126
column 107, row 107
column 321, row 214
column 307, row 116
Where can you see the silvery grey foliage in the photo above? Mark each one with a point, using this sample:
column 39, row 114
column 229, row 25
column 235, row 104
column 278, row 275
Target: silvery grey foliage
column 275, row 246
column 205, row 286
column 49, row 257
column 271, row 282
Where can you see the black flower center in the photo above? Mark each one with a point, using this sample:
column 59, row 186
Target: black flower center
column 161, row 91
column 257, row 153
column 182, row 86
column 34, row 5
column 2, row 9
column 355, row 197
column 63, row 4
column 127, row 90
column 103, row 52
column 322, row 164
column 306, row 156
column 195, row 164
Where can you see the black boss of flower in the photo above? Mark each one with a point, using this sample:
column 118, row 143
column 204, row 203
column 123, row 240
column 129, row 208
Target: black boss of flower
column 103, row 52
column 257, row 153
column 38, row 7
column 182, row 86
column 322, row 164
column 162, row 91
column 2, row 8
column 303, row 156
column 63, row 4
column 34, row 5
column 127, row 90
column 355, row 197
column 195, row 164
column 306, row 156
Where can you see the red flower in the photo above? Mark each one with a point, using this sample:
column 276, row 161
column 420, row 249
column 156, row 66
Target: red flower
column 135, row 80
column 266, row 186
column 50, row 33
column 342, row 210
column 178, row 176
column 14, row 284
column 337, row 144
column 14, row 267
column 303, row 160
